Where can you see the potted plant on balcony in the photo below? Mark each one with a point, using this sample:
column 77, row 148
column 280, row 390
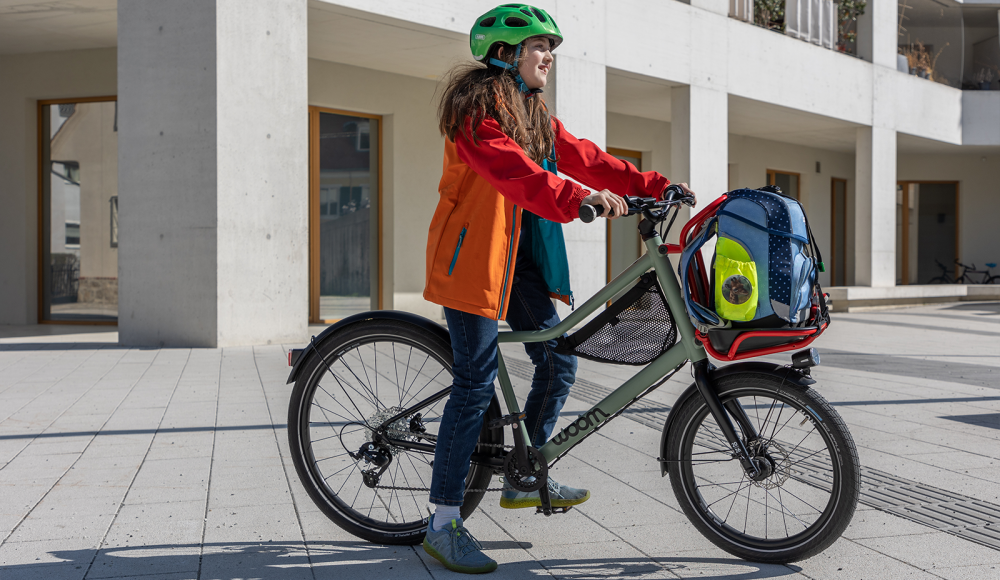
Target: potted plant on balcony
column 770, row 14
column 847, row 17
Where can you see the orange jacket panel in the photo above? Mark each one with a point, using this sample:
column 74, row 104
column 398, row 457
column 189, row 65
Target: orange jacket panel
column 472, row 242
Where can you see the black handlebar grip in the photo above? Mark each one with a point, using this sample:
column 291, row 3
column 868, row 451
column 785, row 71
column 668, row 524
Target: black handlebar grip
column 589, row 213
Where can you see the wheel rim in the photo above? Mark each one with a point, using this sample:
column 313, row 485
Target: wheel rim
column 366, row 380
column 788, row 508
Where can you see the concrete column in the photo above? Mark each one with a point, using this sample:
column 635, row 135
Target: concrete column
column 580, row 103
column 875, row 207
column 878, row 32
column 213, row 172
column 699, row 142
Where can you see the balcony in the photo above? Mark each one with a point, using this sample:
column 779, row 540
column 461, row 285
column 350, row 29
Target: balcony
column 828, row 23
column 957, row 45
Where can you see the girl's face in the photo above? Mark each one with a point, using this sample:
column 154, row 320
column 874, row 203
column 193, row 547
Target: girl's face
column 536, row 60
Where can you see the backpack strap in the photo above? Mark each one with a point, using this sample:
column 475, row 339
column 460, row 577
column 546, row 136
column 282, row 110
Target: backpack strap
column 701, row 317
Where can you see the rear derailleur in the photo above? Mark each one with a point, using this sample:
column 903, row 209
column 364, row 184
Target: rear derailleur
column 378, row 456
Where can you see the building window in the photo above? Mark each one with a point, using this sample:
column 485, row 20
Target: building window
column 345, row 181
column 78, row 268
column 786, row 180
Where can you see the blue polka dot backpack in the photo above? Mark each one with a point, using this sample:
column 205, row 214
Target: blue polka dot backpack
column 761, row 294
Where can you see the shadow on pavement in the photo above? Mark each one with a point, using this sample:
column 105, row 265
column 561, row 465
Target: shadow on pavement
column 286, row 560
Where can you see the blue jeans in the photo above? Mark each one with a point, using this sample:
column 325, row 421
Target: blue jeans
column 474, row 344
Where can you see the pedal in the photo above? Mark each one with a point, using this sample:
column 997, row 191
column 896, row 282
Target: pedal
column 553, row 510
column 506, row 420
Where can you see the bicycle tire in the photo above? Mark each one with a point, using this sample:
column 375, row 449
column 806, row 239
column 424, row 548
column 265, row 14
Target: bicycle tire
column 826, row 467
column 355, row 378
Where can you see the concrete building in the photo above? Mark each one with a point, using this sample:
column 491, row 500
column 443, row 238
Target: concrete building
column 277, row 161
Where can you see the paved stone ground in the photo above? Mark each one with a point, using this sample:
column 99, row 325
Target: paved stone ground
column 173, row 464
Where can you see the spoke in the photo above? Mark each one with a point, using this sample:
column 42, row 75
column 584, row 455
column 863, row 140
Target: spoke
column 427, row 357
column 720, row 484
column 424, row 385
column 395, row 367
column 417, row 471
column 797, row 461
column 776, row 421
column 797, row 445
column 374, row 497
column 803, row 501
column 336, row 378
column 343, row 361
column 794, row 414
column 331, row 457
column 781, row 504
column 334, row 413
column 746, row 516
column 407, row 480
column 785, row 510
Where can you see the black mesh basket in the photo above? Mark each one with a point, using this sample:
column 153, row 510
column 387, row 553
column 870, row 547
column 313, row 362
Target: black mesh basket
column 634, row 330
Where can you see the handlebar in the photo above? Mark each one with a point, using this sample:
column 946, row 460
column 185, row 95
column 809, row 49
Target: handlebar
column 672, row 196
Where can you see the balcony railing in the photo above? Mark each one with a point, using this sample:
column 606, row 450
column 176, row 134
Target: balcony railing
column 828, row 23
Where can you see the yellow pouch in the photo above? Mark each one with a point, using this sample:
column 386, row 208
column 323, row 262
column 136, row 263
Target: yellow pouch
column 735, row 282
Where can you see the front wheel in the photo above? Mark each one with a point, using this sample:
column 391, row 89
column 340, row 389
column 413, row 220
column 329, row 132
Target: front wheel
column 808, row 490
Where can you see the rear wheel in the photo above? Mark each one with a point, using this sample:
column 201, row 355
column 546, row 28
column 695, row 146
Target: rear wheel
column 808, row 490
column 361, row 377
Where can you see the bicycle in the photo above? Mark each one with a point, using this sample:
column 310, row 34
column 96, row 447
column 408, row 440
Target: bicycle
column 969, row 272
column 945, row 276
column 760, row 463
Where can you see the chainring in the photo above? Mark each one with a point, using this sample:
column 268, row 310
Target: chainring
column 520, row 476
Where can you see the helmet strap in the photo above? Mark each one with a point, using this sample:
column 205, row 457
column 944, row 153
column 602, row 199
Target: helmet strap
column 528, row 93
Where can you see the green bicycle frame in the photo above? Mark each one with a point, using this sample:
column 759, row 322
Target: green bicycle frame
column 687, row 348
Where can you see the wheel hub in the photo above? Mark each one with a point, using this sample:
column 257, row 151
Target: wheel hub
column 772, row 463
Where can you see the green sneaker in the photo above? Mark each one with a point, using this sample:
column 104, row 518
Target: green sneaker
column 455, row 547
column 559, row 496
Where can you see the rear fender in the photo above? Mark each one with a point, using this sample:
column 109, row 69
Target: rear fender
column 298, row 356
column 785, row 373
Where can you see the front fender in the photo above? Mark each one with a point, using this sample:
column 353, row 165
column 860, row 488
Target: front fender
column 296, row 358
column 778, row 371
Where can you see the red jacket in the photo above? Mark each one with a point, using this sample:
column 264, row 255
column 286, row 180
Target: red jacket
column 473, row 235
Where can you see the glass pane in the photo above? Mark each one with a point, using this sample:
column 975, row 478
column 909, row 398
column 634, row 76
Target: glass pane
column 80, row 204
column 839, row 232
column 788, row 182
column 936, row 221
column 348, row 194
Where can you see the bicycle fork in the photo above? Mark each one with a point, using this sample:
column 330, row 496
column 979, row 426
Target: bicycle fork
column 753, row 469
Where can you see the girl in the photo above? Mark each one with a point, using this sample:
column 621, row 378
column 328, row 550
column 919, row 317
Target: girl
column 495, row 249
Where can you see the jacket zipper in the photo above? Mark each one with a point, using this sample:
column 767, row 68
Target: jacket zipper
column 454, row 258
column 510, row 252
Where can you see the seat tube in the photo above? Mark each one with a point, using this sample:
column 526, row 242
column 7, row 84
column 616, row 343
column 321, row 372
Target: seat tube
column 509, row 399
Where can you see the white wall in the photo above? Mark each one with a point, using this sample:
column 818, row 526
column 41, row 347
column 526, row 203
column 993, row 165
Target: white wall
column 25, row 80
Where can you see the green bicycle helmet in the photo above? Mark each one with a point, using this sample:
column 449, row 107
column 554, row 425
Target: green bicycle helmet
column 512, row 24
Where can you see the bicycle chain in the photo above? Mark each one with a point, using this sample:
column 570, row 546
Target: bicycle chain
column 491, row 489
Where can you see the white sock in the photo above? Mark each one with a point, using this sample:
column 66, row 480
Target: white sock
column 443, row 514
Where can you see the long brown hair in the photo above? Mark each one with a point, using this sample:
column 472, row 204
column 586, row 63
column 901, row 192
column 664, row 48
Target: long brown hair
column 474, row 91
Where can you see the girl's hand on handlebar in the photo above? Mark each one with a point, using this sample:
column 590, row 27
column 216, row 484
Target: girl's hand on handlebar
column 608, row 201
column 687, row 192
